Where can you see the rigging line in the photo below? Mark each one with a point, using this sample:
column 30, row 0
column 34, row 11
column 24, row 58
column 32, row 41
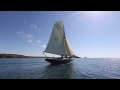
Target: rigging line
column 52, row 53
column 45, row 55
column 64, row 32
column 65, row 40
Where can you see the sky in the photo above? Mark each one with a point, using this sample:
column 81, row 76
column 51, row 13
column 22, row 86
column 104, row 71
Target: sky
column 94, row 34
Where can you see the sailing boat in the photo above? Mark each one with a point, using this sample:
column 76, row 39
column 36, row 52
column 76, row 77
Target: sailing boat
column 58, row 44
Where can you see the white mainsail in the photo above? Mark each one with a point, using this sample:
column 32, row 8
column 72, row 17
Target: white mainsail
column 58, row 43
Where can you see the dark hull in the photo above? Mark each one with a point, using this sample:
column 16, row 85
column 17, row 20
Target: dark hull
column 59, row 60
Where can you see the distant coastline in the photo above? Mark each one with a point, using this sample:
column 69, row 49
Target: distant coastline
column 24, row 56
column 19, row 56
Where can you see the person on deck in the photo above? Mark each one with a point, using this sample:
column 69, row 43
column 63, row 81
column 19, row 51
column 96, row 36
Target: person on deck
column 66, row 56
column 61, row 56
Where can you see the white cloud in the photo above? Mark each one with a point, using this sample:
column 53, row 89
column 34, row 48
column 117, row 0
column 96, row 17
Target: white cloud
column 44, row 46
column 38, row 41
column 25, row 21
column 21, row 32
column 35, row 26
column 31, row 25
column 18, row 32
column 30, row 40
column 28, row 35
column 25, row 35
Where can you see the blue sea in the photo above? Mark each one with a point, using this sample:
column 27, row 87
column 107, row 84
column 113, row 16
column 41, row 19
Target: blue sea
column 80, row 68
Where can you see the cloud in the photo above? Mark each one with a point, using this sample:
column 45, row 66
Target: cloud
column 30, row 40
column 35, row 26
column 25, row 21
column 38, row 41
column 21, row 32
column 44, row 46
column 18, row 32
column 25, row 35
column 28, row 35
column 31, row 25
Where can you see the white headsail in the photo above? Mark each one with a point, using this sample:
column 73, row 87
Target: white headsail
column 58, row 43
column 68, row 48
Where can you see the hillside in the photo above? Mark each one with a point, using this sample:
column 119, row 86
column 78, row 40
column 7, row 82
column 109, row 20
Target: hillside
column 23, row 56
column 17, row 56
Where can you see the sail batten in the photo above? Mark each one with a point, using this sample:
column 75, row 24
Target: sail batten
column 58, row 43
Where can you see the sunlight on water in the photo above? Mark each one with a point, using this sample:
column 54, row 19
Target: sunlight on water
column 81, row 68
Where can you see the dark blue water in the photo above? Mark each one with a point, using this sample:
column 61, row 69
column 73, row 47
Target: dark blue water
column 81, row 68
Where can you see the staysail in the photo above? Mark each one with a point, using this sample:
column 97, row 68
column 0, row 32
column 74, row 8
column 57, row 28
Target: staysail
column 58, row 43
column 68, row 48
